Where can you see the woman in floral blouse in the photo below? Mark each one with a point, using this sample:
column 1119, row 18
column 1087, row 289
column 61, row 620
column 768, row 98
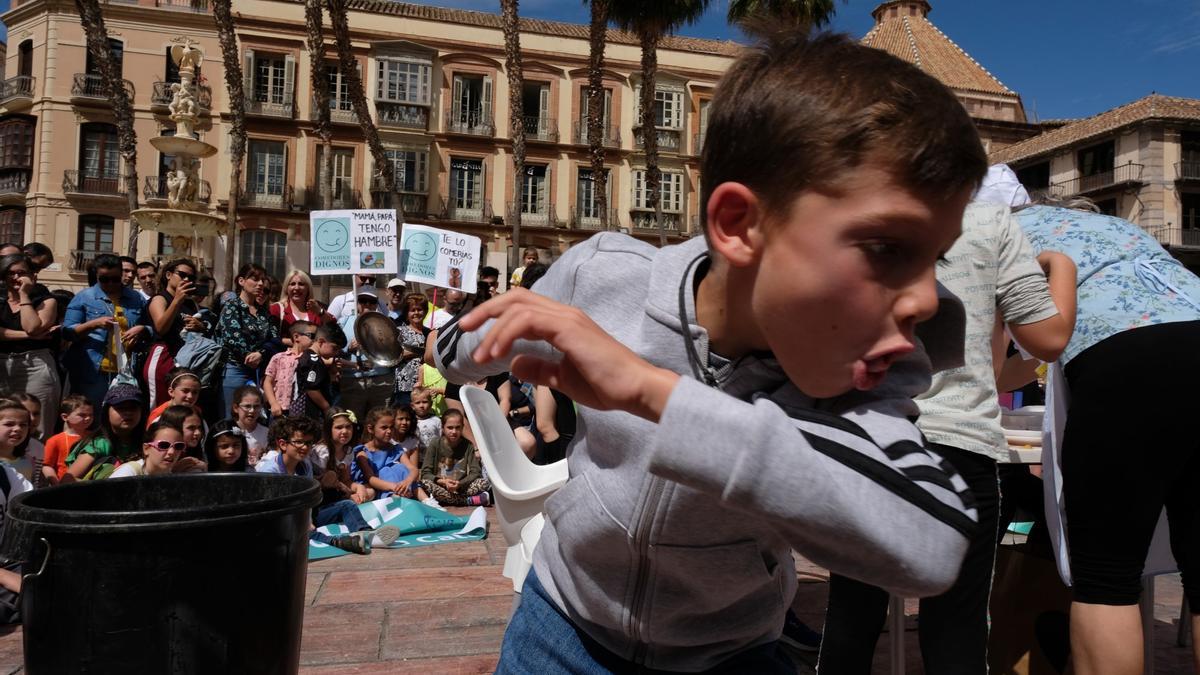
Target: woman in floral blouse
column 412, row 339
column 244, row 330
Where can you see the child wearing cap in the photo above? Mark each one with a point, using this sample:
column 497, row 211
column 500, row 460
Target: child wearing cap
column 119, row 437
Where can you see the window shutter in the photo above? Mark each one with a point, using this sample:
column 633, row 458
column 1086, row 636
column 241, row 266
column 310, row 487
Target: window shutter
column 704, row 106
column 289, row 79
column 637, row 105
column 456, row 111
column 677, row 111
column 487, row 99
column 544, row 108
column 481, row 189
column 284, row 179
column 547, row 186
column 248, row 75
column 607, row 110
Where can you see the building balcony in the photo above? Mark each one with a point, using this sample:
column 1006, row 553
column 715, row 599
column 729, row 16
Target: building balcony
column 154, row 189
column 85, row 183
column 1178, row 237
column 669, row 140
column 16, row 93
column 592, row 217
column 340, row 112
column 1125, row 175
column 470, row 123
column 412, row 204
column 276, row 198
column 473, row 212
column 82, row 259
column 1187, row 171
column 401, row 115
column 14, row 185
column 343, row 198
column 269, row 108
column 541, row 215
column 643, row 221
column 161, row 97
column 541, row 129
column 89, row 88
column 200, row 7
column 609, row 135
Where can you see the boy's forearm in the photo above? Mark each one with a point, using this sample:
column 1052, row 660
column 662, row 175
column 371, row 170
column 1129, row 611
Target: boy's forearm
column 319, row 399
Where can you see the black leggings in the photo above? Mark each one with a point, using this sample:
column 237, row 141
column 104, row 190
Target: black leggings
column 1129, row 449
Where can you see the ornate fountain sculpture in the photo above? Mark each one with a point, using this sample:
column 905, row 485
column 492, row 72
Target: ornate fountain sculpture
column 183, row 219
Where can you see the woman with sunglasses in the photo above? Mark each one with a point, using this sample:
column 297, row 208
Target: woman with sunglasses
column 172, row 311
column 162, row 452
column 27, row 362
column 297, row 304
column 96, row 318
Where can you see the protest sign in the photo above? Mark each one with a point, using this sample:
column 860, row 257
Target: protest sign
column 358, row 242
column 439, row 257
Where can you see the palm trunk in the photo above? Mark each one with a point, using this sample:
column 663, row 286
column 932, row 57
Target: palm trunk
column 313, row 19
column 232, row 60
column 595, row 112
column 650, row 131
column 358, row 99
column 516, row 107
column 114, row 85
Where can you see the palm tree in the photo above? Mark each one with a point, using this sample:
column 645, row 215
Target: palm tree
column 798, row 14
column 232, row 59
column 358, row 99
column 510, row 23
column 313, row 18
column 597, row 33
column 114, row 86
column 650, row 22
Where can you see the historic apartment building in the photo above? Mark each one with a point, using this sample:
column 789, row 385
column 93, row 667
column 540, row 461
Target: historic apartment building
column 438, row 92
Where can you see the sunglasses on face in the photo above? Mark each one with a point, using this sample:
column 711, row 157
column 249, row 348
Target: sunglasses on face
column 163, row 446
column 310, row 336
column 184, row 276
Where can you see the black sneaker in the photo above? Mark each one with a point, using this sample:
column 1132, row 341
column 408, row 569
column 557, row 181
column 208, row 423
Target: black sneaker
column 357, row 542
column 798, row 635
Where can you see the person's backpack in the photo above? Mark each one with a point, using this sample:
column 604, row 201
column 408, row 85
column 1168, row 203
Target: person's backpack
column 103, row 468
column 203, row 356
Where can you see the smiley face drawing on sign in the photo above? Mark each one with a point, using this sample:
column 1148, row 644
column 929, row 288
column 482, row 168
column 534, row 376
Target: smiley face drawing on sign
column 421, row 246
column 332, row 234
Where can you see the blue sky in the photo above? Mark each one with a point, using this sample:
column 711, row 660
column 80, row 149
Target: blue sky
column 1067, row 58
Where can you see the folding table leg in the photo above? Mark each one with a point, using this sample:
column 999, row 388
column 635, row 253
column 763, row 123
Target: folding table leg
column 896, row 630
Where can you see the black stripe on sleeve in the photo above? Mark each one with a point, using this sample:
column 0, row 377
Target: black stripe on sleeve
column 829, row 420
column 447, row 345
column 894, row 482
column 901, row 449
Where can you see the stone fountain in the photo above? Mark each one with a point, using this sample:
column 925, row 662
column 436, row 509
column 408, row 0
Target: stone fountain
column 184, row 219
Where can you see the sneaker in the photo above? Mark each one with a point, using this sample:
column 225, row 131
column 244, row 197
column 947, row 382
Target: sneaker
column 430, row 501
column 385, row 536
column 799, row 636
column 357, row 542
column 481, row 499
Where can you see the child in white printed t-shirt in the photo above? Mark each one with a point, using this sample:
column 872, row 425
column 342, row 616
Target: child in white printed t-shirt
column 429, row 426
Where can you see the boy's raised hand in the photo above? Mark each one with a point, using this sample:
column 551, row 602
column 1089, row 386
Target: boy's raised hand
column 596, row 370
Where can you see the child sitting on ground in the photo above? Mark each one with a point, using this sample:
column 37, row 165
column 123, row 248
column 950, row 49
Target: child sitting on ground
column 383, row 465
column 118, row 439
column 279, row 377
column 35, row 449
column 226, row 449
column 429, row 425
column 77, row 414
column 188, row 422
column 334, row 454
column 12, row 483
column 312, row 391
column 292, row 438
column 247, row 411
column 183, row 388
column 15, row 424
column 463, row 483
column 162, row 454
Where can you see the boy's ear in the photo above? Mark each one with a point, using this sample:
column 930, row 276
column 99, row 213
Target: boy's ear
column 734, row 224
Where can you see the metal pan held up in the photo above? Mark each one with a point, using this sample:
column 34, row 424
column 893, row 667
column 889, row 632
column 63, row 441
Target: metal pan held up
column 378, row 338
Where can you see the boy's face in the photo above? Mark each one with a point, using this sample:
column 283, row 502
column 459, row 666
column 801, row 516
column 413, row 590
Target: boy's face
column 79, row 418
column 452, row 429
column 838, row 287
column 325, row 349
column 296, row 446
column 421, row 405
column 303, row 339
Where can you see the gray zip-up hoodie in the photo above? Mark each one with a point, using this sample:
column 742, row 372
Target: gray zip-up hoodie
column 671, row 543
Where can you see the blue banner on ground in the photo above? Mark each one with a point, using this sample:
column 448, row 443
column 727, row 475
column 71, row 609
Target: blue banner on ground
column 419, row 525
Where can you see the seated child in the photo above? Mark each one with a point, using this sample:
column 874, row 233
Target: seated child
column 162, row 451
column 15, row 425
column 12, row 484
column 183, row 388
column 77, row 414
column 246, row 412
column 429, row 424
column 292, row 438
column 334, row 455
column 280, row 375
column 118, row 439
column 383, row 465
column 226, row 450
column 36, row 449
column 451, row 471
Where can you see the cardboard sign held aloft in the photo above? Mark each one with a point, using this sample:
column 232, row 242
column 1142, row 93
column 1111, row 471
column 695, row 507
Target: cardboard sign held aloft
column 439, row 257
column 362, row 241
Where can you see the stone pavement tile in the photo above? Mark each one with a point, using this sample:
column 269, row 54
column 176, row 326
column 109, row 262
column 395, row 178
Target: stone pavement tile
column 341, row 633
column 395, row 585
column 12, row 650
column 445, row 627
column 312, row 585
column 458, row 554
column 481, row 664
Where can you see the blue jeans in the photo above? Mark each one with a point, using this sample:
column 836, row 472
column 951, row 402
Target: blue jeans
column 541, row 639
column 235, row 376
column 345, row 512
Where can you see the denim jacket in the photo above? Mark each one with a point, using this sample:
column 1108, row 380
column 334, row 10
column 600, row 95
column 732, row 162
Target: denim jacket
column 92, row 303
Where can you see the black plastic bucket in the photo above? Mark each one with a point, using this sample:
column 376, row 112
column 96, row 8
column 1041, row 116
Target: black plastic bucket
column 175, row 574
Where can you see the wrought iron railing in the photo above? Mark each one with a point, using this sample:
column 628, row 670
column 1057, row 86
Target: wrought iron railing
column 413, row 204
column 162, row 95
column 155, row 188
column 668, row 139
column 1126, row 173
column 1187, row 170
column 540, row 214
column 538, row 128
column 84, row 182
column 88, row 85
column 644, row 220
column 475, row 212
column 14, row 183
column 609, row 134
column 81, row 259
column 264, row 197
column 593, row 218
column 269, row 109
column 401, row 115
column 183, row 5
column 339, row 112
column 1178, row 237
column 344, row 197
column 474, row 122
column 20, row 86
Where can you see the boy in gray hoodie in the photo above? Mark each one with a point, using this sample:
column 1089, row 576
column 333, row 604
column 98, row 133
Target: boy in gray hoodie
column 835, row 177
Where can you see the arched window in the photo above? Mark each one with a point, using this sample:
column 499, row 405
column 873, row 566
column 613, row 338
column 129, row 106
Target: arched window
column 25, row 59
column 267, row 248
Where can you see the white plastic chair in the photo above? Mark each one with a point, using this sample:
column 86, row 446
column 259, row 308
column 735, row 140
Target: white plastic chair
column 520, row 486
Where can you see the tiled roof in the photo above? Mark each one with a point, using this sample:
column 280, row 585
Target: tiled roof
column 916, row 40
column 1154, row 106
column 553, row 28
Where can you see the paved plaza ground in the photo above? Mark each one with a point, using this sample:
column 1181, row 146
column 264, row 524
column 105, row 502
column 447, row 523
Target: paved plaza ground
column 443, row 609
